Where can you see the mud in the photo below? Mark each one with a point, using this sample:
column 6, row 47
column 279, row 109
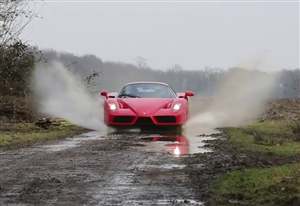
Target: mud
column 100, row 169
column 127, row 168
column 283, row 109
column 225, row 158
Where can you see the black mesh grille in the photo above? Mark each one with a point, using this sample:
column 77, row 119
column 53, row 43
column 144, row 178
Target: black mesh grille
column 165, row 119
column 144, row 121
column 123, row 119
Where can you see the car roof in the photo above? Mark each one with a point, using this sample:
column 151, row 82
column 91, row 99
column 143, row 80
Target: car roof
column 147, row 82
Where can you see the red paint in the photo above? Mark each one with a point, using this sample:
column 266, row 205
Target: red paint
column 145, row 107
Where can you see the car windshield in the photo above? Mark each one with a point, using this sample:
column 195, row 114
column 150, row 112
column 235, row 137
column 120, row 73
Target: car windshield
column 147, row 90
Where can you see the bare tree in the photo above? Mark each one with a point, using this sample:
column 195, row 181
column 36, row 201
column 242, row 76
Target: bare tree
column 15, row 15
column 16, row 58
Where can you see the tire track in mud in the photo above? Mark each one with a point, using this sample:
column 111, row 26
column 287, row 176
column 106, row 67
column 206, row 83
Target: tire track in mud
column 94, row 170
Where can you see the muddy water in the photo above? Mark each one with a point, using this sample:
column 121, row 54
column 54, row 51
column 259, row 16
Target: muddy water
column 72, row 142
column 128, row 168
column 177, row 145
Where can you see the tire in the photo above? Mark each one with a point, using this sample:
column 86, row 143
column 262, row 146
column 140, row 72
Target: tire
column 178, row 129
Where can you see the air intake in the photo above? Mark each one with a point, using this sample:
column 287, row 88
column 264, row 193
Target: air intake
column 165, row 119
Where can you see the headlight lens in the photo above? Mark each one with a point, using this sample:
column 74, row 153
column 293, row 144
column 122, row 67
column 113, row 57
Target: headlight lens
column 112, row 106
column 176, row 106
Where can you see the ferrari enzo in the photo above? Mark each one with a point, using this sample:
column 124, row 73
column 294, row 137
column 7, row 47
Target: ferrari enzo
column 141, row 104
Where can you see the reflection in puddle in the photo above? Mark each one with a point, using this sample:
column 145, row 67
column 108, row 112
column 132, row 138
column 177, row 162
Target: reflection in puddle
column 178, row 145
column 160, row 166
column 164, row 202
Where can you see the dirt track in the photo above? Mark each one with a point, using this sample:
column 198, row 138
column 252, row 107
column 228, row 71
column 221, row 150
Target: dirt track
column 129, row 168
column 95, row 169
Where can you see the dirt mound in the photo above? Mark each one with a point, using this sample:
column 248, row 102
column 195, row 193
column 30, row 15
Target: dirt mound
column 283, row 109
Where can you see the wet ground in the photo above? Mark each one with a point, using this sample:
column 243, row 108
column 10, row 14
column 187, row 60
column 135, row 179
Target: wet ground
column 128, row 168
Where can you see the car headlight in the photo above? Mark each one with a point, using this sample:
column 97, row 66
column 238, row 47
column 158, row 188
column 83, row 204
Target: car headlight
column 112, row 106
column 176, row 106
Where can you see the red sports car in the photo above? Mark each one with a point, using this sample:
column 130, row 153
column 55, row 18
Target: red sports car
column 141, row 104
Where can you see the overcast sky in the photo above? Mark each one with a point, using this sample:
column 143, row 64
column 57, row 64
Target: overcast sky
column 192, row 34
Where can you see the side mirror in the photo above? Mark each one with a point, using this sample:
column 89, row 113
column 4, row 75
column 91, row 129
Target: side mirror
column 104, row 93
column 112, row 95
column 181, row 95
column 189, row 93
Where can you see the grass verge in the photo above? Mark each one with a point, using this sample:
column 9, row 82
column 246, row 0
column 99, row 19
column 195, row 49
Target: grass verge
column 276, row 185
column 25, row 134
column 279, row 185
column 273, row 137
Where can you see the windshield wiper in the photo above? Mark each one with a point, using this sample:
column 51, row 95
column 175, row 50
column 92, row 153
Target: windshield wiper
column 129, row 95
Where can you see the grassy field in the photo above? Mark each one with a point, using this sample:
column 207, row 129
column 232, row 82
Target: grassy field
column 25, row 134
column 267, row 186
column 278, row 185
column 273, row 137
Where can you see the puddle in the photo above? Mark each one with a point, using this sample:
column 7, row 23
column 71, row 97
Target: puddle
column 164, row 202
column 192, row 141
column 72, row 142
column 163, row 166
column 179, row 145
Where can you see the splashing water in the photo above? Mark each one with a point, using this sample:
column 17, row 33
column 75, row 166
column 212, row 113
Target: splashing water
column 241, row 97
column 60, row 94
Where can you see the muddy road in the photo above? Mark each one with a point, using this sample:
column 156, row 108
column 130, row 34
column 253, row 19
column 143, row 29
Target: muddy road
column 130, row 168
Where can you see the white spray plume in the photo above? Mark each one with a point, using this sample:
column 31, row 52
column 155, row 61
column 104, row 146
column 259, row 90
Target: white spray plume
column 241, row 97
column 60, row 94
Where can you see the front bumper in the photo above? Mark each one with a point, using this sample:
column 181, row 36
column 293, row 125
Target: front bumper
column 126, row 117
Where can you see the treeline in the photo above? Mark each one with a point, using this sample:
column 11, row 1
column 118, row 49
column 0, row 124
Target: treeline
column 16, row 64
column 16, row 57
column 112, row 75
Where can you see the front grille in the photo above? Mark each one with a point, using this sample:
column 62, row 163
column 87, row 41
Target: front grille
column 123, row 119
column 165, row 119
column 144, row 121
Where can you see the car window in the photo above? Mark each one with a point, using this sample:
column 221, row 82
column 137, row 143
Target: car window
column 147, row 90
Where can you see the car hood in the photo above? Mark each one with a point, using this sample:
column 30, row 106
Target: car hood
column 146, row 106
